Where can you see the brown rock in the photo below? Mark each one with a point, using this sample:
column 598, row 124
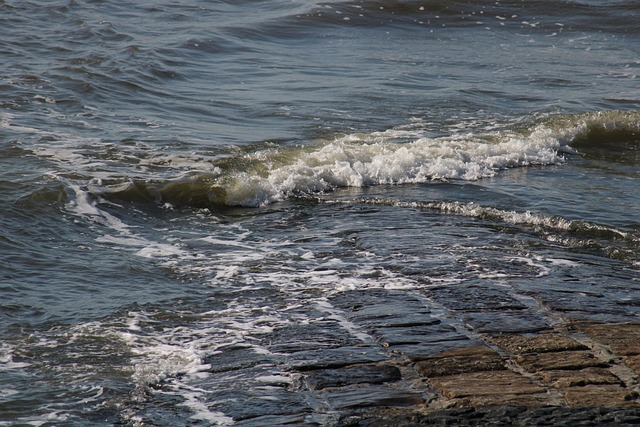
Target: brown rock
column 621, row 338
column 459, row 361
column 558, row 360
column 519, row 400
column 540, row 343
column 600, row 396
column 484, row 383
column 633, row 362
column 587, row 376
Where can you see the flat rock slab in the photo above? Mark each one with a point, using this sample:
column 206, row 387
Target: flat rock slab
column 460, row 361
column 377, row 308
column 507, row 416
column 475, row 298
column 390, row 336
column 540, row 343
column 245, row 405
column 235, row 357
column 424, row 350
column 366, row 397
column 633, row 362
column 506, row 321
column 622, row 338
column 506, row 399
column 588, row 376
column 536, row 362
column 371, row 374
column 311, row 336
column 497, row 383
column 579, row 306
column 601, row 396
column 333, row 358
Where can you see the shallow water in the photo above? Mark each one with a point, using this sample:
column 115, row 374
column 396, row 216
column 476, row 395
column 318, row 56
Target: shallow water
column 195, row 193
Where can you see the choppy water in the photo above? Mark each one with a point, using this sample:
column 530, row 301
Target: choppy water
column 184, row 181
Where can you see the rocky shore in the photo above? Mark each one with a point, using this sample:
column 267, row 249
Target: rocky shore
column 473, row 355
column 585, row 376
column 499, row 363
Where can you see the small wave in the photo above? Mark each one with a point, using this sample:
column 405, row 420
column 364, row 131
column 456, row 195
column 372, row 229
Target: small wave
column 606, row 135
column 356, row 160
column 270, row 172
column 577, row 234
column 273, row 173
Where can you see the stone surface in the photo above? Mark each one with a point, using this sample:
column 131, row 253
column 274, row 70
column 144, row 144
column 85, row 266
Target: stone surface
column 390, row 336
column 233, row 358
column 540, row 343
column 476, row 298
column 311, row 336
column 573, row 378
column 333, row 358
column 426, row 349
column 370, row 374
column 382, row 308
column 478, row 355
column 508, row 399
column 364, row 397
column 507, row 321
column 535, row 362
column 601, row 396
column 507, row 416
column 484, row 383
column 633, row 362
column 460, row 361
column 623, row 338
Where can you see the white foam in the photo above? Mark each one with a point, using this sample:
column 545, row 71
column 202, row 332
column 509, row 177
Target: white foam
column 352, row 328
column 364, row 160
column 6, row 359
column 562, row 262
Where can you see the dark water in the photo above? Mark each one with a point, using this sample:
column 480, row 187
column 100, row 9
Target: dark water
column 189, row 185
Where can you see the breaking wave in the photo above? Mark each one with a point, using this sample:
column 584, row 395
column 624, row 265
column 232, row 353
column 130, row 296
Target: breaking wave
column 395, row 156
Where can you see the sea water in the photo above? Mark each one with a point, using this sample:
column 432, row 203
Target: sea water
column 186, row 180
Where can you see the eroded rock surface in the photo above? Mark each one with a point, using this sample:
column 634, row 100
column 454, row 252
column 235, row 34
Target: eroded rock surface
column 439, row 357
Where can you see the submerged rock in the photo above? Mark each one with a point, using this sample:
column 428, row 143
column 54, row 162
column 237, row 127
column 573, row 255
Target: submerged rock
column 359, row 374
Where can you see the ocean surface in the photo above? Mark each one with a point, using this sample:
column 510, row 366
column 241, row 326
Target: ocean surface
column 186, row 180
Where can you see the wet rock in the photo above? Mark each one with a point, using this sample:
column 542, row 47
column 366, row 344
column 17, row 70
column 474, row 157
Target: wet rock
column 315, row 335
column 424, row 350
column 535, row 362
column 540, row 343
column 587, row 376
column 251, row 404
column 475, row 298
column 486, row 383
column 377, row 308
column 333, row 358
column 507, row 321
column 393, row 314
column 460, row 361
column 622, row 338
column 235, row 357
column 600, row 396
column 371, row 374
column 581, row 306
column 367, row 397
column 389, row 336
column 277, row 420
